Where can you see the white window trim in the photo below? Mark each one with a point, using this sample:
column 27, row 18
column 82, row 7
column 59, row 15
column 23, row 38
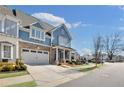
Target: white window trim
column 35, row 33
column 11, row 19
column 2, row 50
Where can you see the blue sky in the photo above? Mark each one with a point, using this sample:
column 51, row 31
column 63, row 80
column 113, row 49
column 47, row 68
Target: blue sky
column 84, row 22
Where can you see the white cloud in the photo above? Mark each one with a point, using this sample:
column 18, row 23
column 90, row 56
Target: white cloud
column 121, row 28
column 86, row 51
column 75, row 25
column 121, row 7
column 55, row 20
column 121, row 19
column 85, row 25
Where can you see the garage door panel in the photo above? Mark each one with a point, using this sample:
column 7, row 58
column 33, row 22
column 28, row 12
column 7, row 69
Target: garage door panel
column 29, row 58
column 37, row 58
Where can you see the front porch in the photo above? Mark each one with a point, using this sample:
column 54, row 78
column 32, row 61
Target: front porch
column 62, row 54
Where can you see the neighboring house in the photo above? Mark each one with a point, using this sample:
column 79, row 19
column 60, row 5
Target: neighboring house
column 75, row 56
column 61, row 44
column 25, row 37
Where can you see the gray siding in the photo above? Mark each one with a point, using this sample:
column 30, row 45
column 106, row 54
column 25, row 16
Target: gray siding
column 38, row 25
column 60, row 32
column 26, row 36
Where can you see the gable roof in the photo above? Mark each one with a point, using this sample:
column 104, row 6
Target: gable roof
column 6, row 11
column 66, row 29
column 26, row 19
column 38, row 25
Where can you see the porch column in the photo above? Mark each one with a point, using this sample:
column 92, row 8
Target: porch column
column 75, row 56
column 64, row 56
column 3, row 20
column 70, row 56
column 17, row 50
column 57, row 61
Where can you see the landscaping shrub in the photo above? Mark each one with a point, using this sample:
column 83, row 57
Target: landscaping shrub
column 74, row 62
column 20, row 65
column 69, row 62
column 23, row 67
column 5, row 66
column 12, row 66
column 17, row 67
column 6, row 63
column 8, row 68
column 1, row 68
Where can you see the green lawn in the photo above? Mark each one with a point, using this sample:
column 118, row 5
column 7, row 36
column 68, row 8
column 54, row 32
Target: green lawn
column 86, row 68
column 12, row 74
column 25, row 84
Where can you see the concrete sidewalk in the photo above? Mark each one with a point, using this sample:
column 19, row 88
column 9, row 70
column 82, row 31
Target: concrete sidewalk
column 51, row 75
column 15, row 80
column 45, row 76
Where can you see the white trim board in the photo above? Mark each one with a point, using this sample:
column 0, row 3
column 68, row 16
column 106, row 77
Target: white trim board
column 33, row 43
column 34, row 50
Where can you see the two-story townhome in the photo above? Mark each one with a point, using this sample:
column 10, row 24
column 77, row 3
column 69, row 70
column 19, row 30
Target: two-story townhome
column 9, row 26
column 61, row 44
column 34, row 39
column 36, row 42
column 41, row 43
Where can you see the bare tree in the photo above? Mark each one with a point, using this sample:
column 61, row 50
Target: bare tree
column 112, row 45
column 98, row 47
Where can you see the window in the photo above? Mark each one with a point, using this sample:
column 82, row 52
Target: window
column 10, row 27
column 7, row 52
column 33, row 51
column 25, row 50
column 33, row 33
column 45, row 52
column 42, row 35
column 40, row 52
column 37, row 34
column 63, row 41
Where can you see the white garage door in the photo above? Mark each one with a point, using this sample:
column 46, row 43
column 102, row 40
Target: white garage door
column 33, row 57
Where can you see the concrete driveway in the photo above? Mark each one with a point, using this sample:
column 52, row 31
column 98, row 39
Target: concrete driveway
column 52, row 75
column 111, row 75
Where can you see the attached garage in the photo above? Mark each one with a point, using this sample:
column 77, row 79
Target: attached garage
column 35, row 57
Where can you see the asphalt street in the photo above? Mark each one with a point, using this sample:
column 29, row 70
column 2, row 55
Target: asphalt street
column 111, row 75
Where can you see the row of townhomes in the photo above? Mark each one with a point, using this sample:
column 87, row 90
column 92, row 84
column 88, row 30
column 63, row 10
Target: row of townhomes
column 36, row 42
